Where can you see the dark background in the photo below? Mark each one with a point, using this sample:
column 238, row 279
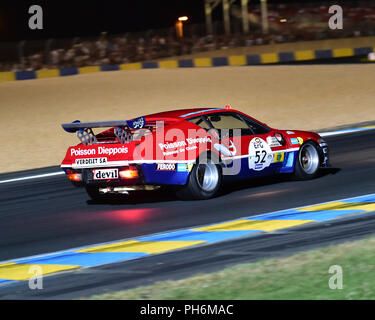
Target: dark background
column 88, row 18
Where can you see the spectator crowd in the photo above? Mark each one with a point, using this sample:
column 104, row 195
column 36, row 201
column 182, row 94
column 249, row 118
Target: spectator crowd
column 287, row 23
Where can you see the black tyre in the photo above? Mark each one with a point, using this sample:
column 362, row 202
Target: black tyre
column 308, row 161
column 204, row 182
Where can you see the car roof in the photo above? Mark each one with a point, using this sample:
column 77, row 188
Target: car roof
column 185, row 114
column 182, row 114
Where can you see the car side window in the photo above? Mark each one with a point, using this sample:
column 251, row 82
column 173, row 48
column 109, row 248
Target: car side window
column 226, row 121
column 255, row 126
column 229, row 121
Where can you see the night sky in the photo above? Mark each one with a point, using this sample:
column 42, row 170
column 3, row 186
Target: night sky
column 68, row 18
column 88, row 18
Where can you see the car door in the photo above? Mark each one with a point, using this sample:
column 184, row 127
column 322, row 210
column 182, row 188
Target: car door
column 248, row 147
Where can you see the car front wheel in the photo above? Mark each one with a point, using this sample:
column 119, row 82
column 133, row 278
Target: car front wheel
column 308, row 161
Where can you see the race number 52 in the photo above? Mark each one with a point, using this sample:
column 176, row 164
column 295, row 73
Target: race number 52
column 260, row 154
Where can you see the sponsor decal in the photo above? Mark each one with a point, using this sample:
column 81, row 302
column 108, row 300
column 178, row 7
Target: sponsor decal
column 170, row 152
column 290, row 132
column 178, row 144
column 112, row 151
column 222, row 149
column 278, row 157
column 166, row 167
column 290, row 160
column 105, row 174
column 198, row 140
column 294, row 141
column 273, row 142
column 172, row 145
column 91, row 161
column 189, row 148
column 82, row 152
column 137, row 123
column 101, row 150
column 260, row 154
column 184, row 167
column 229, row 150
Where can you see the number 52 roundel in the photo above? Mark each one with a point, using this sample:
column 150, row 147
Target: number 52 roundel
column 260, row 154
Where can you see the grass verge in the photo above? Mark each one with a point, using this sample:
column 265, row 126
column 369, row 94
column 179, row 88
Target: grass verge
column 301, row 276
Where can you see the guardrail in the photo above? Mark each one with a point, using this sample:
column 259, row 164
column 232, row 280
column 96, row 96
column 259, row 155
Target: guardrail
column 239, row 60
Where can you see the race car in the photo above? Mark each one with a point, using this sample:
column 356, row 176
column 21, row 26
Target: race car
column 191, row 151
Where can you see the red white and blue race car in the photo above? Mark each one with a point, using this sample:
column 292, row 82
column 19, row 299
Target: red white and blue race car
column 191, row 150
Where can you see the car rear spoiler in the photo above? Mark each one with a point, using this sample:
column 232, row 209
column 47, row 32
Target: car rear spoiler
column 78, row 125
column 87, row 136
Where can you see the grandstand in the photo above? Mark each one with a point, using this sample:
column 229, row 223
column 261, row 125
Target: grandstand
column 287, row 23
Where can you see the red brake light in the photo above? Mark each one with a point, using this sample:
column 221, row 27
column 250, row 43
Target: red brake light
column 130, row 173
column 76, row 177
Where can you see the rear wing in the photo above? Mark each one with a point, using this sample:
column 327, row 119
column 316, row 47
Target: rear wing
column 122, row 129
column 78, row 125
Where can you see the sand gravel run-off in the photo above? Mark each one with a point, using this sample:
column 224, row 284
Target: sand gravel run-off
column 293, row 97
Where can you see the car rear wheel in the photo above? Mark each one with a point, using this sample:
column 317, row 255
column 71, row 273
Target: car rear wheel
column 204, row 182
column 308, row 161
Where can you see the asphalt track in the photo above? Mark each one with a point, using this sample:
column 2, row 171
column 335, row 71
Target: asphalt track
column 48, row 214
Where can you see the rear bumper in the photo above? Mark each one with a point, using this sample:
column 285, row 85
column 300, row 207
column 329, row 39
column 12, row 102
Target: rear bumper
column 148, row 174
column 87, row 179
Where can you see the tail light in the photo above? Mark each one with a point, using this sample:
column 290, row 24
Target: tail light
column 75, row 177
column 129, row 173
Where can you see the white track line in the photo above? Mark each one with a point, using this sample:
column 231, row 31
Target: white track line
column 336, row 133
column 33, row 177
column 46, row 175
